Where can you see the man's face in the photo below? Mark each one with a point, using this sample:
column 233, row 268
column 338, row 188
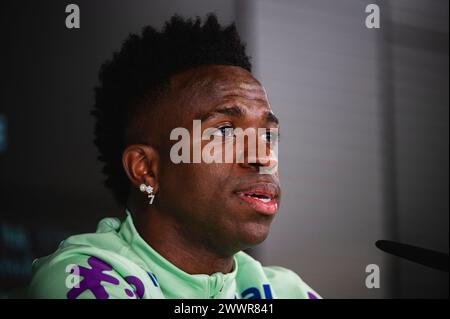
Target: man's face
column 226, row 206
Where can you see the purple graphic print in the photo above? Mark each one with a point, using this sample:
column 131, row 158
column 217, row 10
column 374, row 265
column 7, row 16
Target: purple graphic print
column 138, row 287
column 92, row 278
column 312, row 296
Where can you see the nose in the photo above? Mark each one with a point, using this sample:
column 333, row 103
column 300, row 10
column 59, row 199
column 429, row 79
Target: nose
column 263, row 164
column 260, row 157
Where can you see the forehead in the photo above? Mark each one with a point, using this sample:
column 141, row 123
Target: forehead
column 202, row 89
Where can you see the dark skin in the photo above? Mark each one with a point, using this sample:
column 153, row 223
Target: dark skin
column 196, row 220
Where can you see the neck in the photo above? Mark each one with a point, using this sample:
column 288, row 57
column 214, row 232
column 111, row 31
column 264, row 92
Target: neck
column 161, row 233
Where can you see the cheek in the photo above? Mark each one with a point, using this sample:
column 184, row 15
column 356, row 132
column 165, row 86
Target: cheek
column 209, row 182
column 194, row 185
column 176, row 182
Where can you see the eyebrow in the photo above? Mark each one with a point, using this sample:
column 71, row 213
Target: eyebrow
column 236, row 111
column 271, row 118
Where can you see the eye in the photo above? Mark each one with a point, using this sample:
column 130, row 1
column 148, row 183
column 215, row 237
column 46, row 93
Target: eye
column 271, row 136
column 225, row 131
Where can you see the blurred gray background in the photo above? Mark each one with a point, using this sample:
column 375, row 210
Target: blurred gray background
column 364, row 124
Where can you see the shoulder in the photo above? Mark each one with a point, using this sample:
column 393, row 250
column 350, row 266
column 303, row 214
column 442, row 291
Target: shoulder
column 288, row 284
column 91, row 265
column 284, row 282
column 78, row 276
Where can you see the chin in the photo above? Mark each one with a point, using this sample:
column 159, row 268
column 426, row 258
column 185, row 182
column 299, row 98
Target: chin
column 254, row 235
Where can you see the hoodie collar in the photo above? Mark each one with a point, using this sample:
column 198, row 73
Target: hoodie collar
column 174, row 282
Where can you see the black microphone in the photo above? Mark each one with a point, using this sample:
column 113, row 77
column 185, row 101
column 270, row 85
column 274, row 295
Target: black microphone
column 423, row 256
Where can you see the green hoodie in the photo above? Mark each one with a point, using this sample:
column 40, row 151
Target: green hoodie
column 115, row 262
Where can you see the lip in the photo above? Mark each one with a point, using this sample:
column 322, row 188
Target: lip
column 262, row 197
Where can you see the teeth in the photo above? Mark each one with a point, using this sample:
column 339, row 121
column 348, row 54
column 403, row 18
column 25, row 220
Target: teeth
column 262, row 199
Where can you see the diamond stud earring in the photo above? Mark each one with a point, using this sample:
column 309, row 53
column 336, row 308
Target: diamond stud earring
column 149, row 190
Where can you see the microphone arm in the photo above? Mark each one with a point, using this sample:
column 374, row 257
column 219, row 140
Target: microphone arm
column 423, row 256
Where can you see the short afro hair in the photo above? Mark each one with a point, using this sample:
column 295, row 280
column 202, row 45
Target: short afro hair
column 142, row 69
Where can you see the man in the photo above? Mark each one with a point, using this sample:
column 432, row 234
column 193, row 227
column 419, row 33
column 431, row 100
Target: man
column 187, row 222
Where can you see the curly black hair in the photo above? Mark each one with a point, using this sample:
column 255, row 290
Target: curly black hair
column 142, row 69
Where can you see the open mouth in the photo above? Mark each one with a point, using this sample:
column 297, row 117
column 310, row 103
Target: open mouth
column 262, row 198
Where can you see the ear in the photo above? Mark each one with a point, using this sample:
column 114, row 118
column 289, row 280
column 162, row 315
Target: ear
column 141, row 163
